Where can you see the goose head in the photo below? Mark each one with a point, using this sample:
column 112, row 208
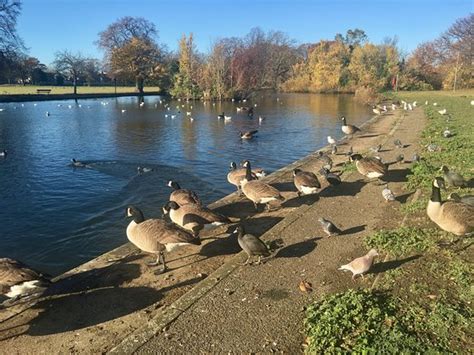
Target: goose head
column 355, row 157
column 444, row 169
column 239, row 230
column 135, row 213
column 296, row 171
column 439, row 183
column 246, row 163
column 170, row 205
column 174, row 185
column 233, row 165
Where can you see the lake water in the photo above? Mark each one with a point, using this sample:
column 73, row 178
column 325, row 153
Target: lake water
column 55, row 217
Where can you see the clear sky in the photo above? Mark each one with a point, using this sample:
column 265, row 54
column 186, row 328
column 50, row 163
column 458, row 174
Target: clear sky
column 51, row 25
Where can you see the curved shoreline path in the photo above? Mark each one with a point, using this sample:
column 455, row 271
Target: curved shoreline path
column 208, row 302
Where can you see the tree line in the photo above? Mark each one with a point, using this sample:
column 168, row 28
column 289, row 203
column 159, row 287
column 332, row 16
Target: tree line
column 238, row 66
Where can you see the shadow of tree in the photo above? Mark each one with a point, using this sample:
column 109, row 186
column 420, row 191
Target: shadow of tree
column 299, row 249
column 390, row 265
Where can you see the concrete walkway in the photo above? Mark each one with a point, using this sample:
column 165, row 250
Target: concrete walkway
column 208, row 302
column 248, row 309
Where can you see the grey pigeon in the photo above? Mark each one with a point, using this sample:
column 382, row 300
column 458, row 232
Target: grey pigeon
column 398, row 143
column 360, row 266
column 453, row 178
column 251, row 244
column 329, row 228
column 447, row 133
column 327, row 161
column 388, row 194
column 432, row 148
column 334, row 150
column 415, row 158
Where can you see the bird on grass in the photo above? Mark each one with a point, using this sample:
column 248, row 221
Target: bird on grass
column 443, row 111
column 251, row 244
column 451, row 216
column 156, row 236
column 388, row 194
column 453, row 178
column 329, row 228
column 18, row 280
column 306, row 182
column 360, row 266
column 416, row 158
column 447, row 133
column 432, row 148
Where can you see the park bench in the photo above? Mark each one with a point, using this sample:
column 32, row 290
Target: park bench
column 43, row 91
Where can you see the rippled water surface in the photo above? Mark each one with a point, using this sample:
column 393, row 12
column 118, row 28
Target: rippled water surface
column 55, row 217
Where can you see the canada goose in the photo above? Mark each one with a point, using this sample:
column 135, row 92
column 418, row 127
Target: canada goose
column 450, row 216
column 251, row 244
column 258, row 191
column 369, row 166
column 447, row 133
column 467, row 199
column 442, row 112
column 331, row 178
column 388, row 194
column 453, row 178
column 248, row 134
column 334, row 150
column 376, row 111
column 348, row 129
column 327, row 161
column 194, row 217
column 398, row 144
column 47, row 114
column 3, row 153
column 329, row 228
column 306, row 182
column 221, row 116
column 360, row 266
column 78, row 164
column 235, row 176
column 18, row 280
column 155, row 236
column 331, row 140
column 182, row 196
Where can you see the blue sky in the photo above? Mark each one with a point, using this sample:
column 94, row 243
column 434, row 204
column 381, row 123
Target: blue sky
column 51, row 25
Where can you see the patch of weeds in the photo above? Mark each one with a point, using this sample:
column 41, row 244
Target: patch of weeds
column 359, row 321
column 348, row 167
column 461, row 274
column 413, row 207
column 403, row 240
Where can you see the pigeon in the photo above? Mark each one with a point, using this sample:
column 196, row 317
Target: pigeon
column 415, row 158
column 447, row 133
column 453, row 178
column 251, row 244
column 360, row 266
column 398, row 143
column 388, row 194
column 327, row 161
column 334, row 150
column 329, row 228
column 376, row 149
column 432, row 148
column 331, row 178
column 467, row 199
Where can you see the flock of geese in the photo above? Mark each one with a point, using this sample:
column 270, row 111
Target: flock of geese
column 189, row 217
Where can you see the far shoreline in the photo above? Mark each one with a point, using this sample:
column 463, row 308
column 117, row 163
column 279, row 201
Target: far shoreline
column 54, row 97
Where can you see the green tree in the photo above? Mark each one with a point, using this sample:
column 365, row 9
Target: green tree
column 185, row 81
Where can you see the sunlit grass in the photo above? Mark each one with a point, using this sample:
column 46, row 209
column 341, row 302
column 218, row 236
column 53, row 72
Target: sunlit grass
column 61, row 90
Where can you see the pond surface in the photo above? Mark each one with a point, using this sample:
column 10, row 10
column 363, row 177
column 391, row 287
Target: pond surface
column 55, row 217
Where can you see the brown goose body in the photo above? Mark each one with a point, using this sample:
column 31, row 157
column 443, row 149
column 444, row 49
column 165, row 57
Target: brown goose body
column 155, row 235
column 182, row 196
column 306, row 182
column 370, row 166
column 258, row 191
column 450, row 216
column 17, row 278
column 248, row 134
column 235, row 176
column 193, row 217
column 348, row 129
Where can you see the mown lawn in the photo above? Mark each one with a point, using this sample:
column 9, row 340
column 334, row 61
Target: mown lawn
column 59, row 90
column 424, row 305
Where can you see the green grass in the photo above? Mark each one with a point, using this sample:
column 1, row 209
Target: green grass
column 403, row 241
column 61, row 90
column 425, row 305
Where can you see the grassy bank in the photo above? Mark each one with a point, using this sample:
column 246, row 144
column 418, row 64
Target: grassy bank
column 424, row 305
column 62, row 90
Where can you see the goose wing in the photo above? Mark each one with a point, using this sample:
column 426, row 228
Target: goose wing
column 260, row 190
column 184, row 196
column 13, row 272
column 201, row 215
column 459, row 212
column 369, row 165
column 306, row 178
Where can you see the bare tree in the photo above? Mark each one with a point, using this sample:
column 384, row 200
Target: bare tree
column 71, row 65
column 10, row 42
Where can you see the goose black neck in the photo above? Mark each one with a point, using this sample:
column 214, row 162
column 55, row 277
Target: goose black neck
column 138, row 217
column 176, row 186
column 435, row 194
column 248, row 172
column 344, row 121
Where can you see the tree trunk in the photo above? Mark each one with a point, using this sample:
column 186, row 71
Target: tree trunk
column 75, row 85
column 139, row 83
